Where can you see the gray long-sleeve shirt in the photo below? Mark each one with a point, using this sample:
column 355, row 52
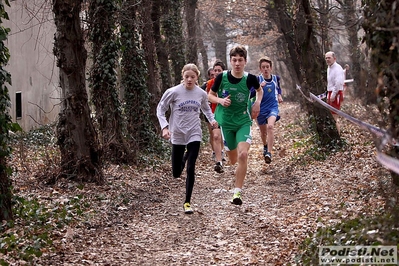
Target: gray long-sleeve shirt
column 184, row 122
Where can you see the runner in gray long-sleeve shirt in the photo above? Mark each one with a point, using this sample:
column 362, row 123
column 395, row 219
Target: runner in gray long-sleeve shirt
column 185, row 101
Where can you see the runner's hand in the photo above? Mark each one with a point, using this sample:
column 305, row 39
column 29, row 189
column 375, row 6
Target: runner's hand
column 280, row 98
column 225, row 101
column 255, row 110
column 166, row 133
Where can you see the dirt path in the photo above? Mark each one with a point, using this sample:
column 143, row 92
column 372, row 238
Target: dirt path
column 138, row 219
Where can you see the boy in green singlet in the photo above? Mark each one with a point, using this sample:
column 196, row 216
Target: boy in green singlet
column 231, row 93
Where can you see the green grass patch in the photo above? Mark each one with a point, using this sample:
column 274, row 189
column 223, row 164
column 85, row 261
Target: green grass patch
column 308, row 145
column 310, row 149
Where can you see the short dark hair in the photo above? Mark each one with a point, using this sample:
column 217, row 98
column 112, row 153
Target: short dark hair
column 220, row 63
column 240, row 51
column 265, row 59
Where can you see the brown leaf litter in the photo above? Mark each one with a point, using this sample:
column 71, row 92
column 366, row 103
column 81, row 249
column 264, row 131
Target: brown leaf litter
column 137, row 218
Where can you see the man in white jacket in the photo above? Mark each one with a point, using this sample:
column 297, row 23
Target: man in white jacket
column 335, row 84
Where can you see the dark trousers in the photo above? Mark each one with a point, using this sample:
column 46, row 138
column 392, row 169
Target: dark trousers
column 179, row 159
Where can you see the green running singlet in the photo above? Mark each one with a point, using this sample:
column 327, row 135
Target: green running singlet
column 235, row 120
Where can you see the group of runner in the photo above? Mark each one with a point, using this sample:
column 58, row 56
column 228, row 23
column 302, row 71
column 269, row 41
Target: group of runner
column 237, row 98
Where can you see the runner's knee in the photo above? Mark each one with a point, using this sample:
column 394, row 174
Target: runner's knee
column 243, row 155
column 217, row 137
column 270, row 127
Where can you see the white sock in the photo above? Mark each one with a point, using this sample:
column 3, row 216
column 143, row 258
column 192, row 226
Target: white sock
column 237, row 189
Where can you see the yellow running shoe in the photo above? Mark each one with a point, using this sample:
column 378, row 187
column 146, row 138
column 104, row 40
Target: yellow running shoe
column 237, row 198
column 187, row 208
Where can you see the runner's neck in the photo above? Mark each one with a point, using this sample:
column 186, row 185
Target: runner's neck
column 268, row 77
column 237, row 75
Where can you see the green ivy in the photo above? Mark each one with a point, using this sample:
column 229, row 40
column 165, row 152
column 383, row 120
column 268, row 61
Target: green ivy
column 137, row 98
column 6, row 124
column 172, row 27
column 350, row 232
column 103, row 80
column 36, row 223
column 5, row 77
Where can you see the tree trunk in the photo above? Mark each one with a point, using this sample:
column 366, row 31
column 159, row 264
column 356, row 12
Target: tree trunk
column 201, row 46
column 103, row 78
column 150, row 51
column 220, row 40
column 284, row 58
column 5, row 124
column 308, row 59
column 5, row 191
column 324, row 24
column 77, row 139
column 358, row 69
column 191, row 41
column 141, row 131
column 160, row 44
column 173, row 28
column 381, row 37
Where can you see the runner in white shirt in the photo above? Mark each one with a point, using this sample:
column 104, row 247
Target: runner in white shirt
column 185, row 101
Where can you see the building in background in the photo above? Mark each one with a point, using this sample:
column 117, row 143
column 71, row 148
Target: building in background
column 35, row 92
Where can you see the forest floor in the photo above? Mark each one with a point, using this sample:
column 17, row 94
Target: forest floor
column 137, row 217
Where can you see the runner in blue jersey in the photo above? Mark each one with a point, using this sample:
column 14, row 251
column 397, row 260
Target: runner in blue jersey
column 269, row 106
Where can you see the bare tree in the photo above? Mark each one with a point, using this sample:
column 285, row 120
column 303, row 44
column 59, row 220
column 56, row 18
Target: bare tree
column 359, row 69
column 150, row 53
column 221, row 41
column 77, row 138
column 159, row 7
column 175, row 39
column 214, row 32
column 201, row 45
column 308, row 59
column 191, row 40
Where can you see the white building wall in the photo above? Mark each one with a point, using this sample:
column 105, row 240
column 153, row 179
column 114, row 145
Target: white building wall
column 32, row 64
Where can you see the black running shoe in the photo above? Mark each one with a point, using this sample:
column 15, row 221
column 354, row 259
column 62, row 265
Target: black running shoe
column 268, row 157
column 219, row 168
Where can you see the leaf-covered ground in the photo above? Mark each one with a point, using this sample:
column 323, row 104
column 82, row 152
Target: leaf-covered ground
column 137, row 218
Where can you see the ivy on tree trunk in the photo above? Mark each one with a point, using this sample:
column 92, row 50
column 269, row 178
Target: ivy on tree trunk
column 5, row 123
column 103, row 80
column 76, row 136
